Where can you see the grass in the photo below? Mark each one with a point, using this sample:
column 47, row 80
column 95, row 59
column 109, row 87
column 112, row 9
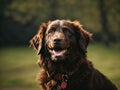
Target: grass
column 18, row 67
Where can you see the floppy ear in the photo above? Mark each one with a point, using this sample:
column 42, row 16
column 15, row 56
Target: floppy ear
column 38, row 40
column 83, row 36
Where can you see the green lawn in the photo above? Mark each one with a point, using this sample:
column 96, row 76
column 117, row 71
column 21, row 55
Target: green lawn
column 106, row 60
column 18, row 68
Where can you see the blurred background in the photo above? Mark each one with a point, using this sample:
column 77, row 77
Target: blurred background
column 21, row 19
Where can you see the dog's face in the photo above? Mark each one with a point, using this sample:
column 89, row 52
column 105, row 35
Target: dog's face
column 61, row 38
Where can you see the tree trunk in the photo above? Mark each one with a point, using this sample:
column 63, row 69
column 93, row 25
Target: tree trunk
column 104, row 22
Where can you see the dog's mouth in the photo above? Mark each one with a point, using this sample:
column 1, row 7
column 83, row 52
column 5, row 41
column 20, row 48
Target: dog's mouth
column 57, row 51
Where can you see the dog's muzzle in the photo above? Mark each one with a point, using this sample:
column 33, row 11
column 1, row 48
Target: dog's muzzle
column 58, row 50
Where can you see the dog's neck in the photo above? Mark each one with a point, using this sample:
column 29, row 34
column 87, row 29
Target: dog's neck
column 66, row 69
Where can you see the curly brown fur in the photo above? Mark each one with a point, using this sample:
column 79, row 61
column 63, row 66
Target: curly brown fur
column 61, row 46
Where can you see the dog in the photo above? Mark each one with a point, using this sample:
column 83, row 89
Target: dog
column 61, row 47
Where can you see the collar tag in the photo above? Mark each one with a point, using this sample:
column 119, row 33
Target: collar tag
column 63, row 85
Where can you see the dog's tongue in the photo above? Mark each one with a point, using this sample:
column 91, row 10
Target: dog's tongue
column 58, row 53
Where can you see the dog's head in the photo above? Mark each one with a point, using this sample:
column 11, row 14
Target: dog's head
column 61, row 38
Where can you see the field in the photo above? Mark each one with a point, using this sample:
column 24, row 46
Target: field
column 18, row 68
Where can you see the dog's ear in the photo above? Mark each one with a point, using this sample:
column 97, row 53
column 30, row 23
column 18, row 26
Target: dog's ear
column 38, row 40
column 83, row 36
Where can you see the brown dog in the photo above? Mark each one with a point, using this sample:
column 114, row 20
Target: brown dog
column 61, row 46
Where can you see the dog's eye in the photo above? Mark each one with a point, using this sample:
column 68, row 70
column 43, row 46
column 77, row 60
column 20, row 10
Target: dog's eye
column 51, row 31
column 67, row 31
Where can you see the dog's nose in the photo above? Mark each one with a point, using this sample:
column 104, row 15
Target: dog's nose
column 57, row 40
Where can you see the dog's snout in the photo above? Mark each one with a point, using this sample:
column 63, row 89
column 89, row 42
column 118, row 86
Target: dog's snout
column 57, row 40
column 58, row 37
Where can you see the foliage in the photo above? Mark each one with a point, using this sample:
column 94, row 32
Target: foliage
column 86, row 11
column 26, row 15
